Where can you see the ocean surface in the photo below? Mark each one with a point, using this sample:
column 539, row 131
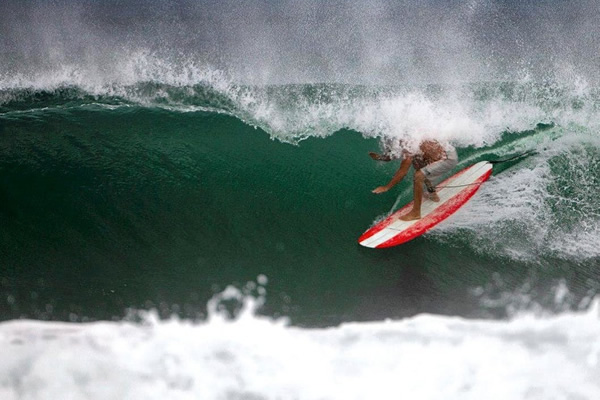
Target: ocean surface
column 180, row 208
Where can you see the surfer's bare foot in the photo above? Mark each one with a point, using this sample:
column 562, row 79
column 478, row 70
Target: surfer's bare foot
column 411, row 216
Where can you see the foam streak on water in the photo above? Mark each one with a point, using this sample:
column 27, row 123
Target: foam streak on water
column 549, row 199
column 253, row 357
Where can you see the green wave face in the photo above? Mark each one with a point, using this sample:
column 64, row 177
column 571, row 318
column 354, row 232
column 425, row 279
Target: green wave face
column 158, row 195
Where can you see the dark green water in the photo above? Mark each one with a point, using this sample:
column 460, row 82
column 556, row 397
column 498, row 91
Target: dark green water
column 105, row 209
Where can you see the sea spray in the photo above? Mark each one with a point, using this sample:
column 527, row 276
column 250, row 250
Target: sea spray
column 547, row 199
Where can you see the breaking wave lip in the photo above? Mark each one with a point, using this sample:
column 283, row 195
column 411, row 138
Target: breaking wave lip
column 252, row 356
column 295, row 112
column 473, row 114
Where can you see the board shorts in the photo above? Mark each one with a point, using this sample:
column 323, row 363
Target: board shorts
column 436, row 170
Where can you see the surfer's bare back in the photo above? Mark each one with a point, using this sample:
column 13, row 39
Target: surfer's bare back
column 430, row 162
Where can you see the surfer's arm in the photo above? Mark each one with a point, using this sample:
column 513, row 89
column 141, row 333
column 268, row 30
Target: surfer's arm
column 398, row 176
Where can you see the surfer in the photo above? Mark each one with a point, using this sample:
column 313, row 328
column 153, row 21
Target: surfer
column 430, row 162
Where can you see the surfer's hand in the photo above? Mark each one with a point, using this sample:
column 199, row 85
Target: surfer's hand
column 381, row 189
column 379, row 157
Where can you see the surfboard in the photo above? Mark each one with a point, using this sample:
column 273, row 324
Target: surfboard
column 454, row 192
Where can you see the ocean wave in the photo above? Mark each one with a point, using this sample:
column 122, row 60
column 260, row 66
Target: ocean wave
column 175, row 178
column 496, row 119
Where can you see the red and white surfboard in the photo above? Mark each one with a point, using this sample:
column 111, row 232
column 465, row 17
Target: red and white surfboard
column 453, row 192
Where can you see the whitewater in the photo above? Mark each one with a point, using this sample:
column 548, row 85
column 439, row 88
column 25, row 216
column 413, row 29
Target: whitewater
column 249, row 356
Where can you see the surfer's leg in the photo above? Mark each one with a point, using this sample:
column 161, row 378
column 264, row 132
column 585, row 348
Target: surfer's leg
column 435, row 171
column 415, row 213
column 431, row 193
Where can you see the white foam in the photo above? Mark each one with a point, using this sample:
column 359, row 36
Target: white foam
column 535, row 209
column 292, row 113
column 253, row 357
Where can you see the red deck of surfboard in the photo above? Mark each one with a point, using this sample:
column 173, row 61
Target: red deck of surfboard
column 454, row 193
